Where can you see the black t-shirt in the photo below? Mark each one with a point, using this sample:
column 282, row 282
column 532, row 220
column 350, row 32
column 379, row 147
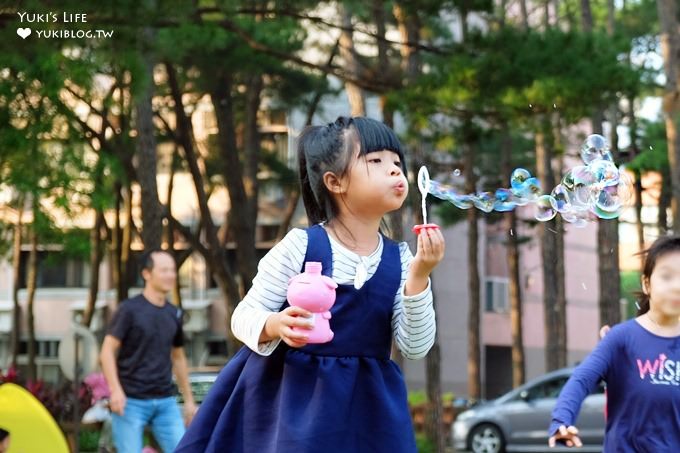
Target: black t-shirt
column 147, row 334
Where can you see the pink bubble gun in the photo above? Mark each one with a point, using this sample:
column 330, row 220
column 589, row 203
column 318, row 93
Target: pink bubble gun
column 315, row 293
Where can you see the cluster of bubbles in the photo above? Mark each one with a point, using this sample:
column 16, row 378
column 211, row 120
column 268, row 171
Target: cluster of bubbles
column 596, row 189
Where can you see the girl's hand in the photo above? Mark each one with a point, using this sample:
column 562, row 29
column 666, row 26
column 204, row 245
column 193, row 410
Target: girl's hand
column 567, row 435
column 604, row 330
column 280, row 325
column 429, row 253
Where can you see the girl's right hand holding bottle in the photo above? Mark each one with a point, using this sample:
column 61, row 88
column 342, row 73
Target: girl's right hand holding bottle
column 279, row 325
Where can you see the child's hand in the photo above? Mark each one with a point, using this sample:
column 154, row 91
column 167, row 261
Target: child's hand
column 567, row 435
column 604, row 330
column 280, row 325
column 429, row 253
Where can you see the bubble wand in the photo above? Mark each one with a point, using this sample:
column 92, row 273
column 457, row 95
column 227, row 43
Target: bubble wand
column 424, row 184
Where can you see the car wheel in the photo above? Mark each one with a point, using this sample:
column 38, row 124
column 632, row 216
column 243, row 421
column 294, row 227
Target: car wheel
column 486, row 438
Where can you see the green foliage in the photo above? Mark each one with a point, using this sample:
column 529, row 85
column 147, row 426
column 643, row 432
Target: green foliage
column 630, row 286
column 416, row 397
column 653, row 146
column 424, row 444
column 89, row 440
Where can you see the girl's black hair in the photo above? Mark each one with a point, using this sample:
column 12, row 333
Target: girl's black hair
column 330, row 148
column 659, row 248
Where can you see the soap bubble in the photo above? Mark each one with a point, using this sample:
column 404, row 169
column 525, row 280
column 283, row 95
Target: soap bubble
column 598, row 189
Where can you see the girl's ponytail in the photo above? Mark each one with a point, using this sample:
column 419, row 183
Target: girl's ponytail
column 642, row 303
column 314, row 212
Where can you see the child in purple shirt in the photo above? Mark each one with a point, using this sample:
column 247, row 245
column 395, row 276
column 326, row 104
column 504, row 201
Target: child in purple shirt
column 640, row 362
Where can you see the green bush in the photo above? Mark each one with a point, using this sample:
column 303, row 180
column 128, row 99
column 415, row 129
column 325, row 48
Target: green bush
column 89, row 441
column 630, row 284
column 419, row 396
column 424, row 444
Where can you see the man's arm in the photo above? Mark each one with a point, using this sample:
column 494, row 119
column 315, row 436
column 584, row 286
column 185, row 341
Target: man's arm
column 181, row 370
column 107, row 356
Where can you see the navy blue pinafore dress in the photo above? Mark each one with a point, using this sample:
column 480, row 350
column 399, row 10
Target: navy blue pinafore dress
column 343, row 396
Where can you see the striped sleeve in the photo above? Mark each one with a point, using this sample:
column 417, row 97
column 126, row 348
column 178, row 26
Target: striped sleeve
column 268, row 292
column 413, row 319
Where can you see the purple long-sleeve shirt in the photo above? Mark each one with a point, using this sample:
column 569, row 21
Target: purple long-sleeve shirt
column 642, row 372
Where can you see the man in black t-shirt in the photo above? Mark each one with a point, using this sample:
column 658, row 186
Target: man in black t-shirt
column 143, row 345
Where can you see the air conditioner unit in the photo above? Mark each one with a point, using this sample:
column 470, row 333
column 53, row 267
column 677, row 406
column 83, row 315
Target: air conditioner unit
column 195, row 315
column 98, row 319
column 6, row 310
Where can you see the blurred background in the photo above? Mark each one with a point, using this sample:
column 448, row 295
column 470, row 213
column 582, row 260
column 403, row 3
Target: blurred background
column 138, row 124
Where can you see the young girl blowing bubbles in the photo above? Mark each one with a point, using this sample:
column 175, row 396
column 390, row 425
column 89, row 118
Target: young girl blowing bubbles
column 640, row 362
column 280, row 394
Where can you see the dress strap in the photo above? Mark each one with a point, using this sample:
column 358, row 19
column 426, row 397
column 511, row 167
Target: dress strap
column 319, row 249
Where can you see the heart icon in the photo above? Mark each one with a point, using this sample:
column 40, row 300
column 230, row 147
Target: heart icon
column 23, row 32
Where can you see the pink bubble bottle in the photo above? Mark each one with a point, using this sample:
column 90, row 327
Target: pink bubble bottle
column 315, row 293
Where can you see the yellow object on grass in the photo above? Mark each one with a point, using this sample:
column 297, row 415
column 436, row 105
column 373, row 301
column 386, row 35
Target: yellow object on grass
column 31, row 427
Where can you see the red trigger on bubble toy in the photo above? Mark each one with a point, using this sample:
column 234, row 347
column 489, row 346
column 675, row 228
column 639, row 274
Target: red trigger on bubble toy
column 427, row 226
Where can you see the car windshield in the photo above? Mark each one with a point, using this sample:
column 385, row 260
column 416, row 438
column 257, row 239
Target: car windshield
column 552, row 388
column 547, row 389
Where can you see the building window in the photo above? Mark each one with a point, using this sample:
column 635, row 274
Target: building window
column 55, row 270
column 48, row 349
column 497, row 297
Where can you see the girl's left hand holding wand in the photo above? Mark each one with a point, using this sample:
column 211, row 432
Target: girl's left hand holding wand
column 429, row 253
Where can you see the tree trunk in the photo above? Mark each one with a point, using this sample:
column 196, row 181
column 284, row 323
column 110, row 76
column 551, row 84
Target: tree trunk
column 246, row 256
column 559, row 238
column 170, row 237
column 608, row 258
column 611, row 17
column 664, row 200
column 409, row 31
column 524, row 14
column 670, row 49
column 116, row 245
column 586, row 16
column 433, row 422
column 474, row 340
column 146, row 169
column 560, row 277
column 96, row 253
column 214, row 254
column 355, row 94
column 554, row 317
column 31, row 281
column 514, row 283
column 243, row 230
column 126, row 243
column 16, row 270
column 640, row 227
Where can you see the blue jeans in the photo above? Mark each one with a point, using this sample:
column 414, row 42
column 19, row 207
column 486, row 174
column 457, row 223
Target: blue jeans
column 162, row 414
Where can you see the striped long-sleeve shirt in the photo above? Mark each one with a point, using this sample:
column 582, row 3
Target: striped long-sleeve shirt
column 413, row 318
